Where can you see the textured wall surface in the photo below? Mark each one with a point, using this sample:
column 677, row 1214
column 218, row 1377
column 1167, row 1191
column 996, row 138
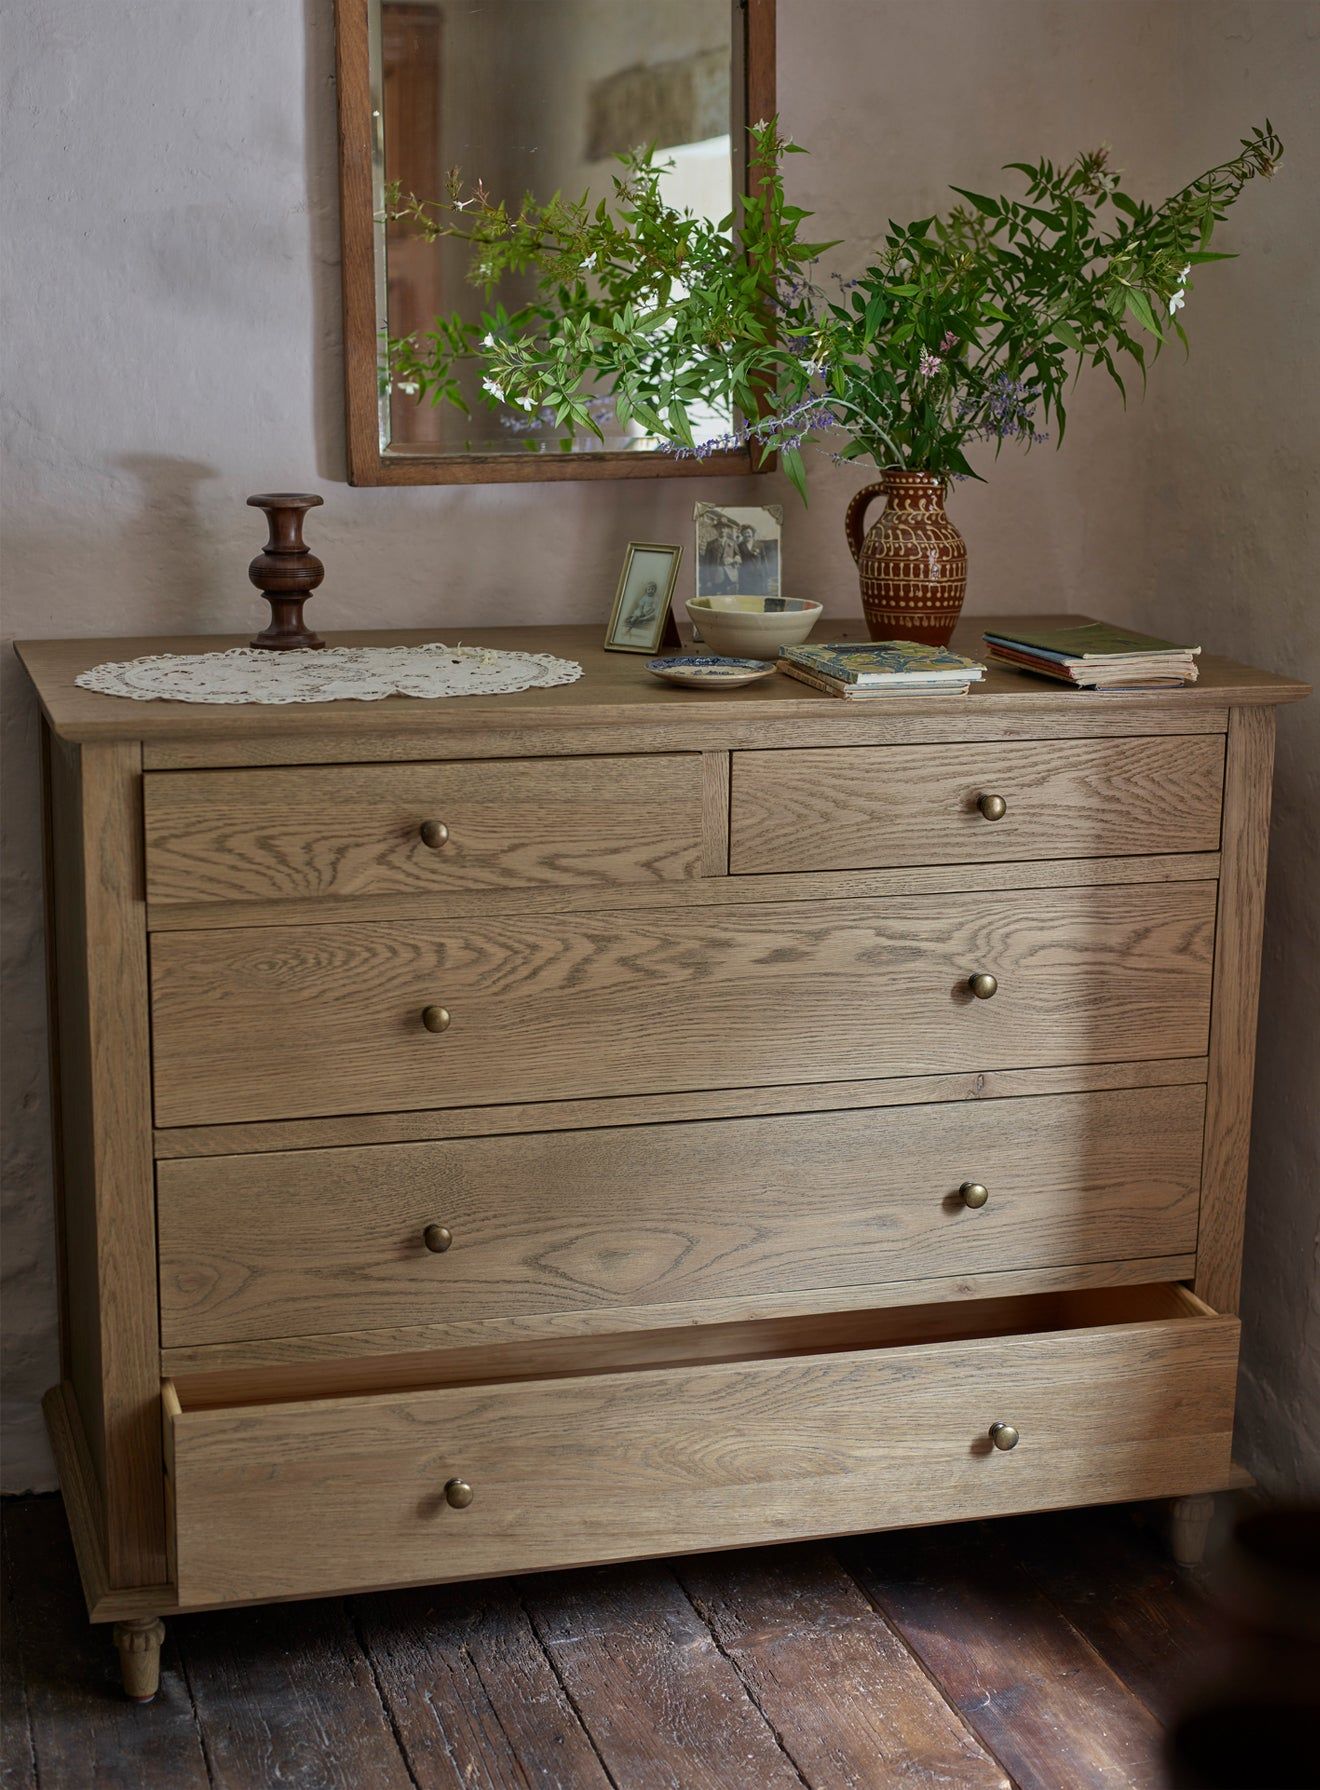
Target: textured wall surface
column 172, row 344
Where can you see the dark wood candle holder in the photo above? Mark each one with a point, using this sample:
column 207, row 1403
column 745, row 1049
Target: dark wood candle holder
column 286, row 572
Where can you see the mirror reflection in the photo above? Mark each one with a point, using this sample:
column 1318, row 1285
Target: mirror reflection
column 532, row 96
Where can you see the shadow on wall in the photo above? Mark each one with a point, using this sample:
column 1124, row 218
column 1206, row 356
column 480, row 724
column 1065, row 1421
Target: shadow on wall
column 168, row 534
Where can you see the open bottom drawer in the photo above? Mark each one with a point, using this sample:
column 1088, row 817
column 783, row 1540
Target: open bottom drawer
column 580, row 1452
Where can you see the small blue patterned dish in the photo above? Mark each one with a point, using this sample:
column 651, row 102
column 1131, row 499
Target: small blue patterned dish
column 710, row 673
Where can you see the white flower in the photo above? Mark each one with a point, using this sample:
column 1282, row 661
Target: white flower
column 525, row 403
column 488, row 340
column 1176, row 301
column 760, row 125
column 590, row 261
column 462, row 204
column 1185, row 275
column 409, row 387
column 494, row 387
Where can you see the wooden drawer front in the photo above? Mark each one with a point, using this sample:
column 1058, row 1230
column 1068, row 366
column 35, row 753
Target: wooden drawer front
column 336, row 1493
column 871, row 807
column 288, row 1022
column 356, row 829
column 297, row 1243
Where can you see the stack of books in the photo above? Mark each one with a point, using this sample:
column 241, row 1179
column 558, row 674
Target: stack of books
column 884, row 668
column 1096, row 656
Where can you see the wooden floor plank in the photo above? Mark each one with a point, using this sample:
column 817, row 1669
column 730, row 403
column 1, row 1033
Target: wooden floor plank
column 84, row 1731
column 285, row 1695
column 1113, row 1577
column 1035, row 1691
column 851, row 1706
column 665, row 1708
column 471, row 1695
column 17, row 1767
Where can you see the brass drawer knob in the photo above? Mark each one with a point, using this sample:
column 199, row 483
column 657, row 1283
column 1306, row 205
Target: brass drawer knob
column 982, row 985
column 993, row 807
column 459, row 1494
column 1004, row 1436
column 973, row 1195
column 434, row 833
column 435, row 1019
column 437, row 1238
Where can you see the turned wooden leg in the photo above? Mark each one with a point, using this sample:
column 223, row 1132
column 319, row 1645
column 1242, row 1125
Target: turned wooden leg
column 139, row 1644
column 1190, row 1527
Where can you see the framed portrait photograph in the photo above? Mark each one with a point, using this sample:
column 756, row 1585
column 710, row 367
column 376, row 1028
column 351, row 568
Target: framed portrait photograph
column 642, row 620
column 738, row 550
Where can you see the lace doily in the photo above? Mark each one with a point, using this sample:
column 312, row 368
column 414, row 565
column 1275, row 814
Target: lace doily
column 334, row 674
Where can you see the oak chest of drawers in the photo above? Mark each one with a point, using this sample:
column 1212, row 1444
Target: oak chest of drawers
column 518, row 1132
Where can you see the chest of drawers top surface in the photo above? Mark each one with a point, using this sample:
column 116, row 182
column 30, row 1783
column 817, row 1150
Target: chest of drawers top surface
column 615, row 691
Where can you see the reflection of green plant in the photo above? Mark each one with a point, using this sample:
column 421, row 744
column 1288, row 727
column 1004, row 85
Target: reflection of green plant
column 964, row 327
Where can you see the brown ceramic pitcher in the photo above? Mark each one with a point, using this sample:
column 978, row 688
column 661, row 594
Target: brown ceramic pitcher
column 912, row 562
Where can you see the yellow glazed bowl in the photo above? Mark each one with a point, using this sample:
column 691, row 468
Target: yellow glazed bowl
column 753, row 627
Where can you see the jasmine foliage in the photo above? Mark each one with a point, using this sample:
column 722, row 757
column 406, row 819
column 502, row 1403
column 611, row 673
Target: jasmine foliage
column 966, row 327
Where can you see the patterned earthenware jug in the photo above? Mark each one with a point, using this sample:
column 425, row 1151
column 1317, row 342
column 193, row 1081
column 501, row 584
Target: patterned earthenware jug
column 912, row 562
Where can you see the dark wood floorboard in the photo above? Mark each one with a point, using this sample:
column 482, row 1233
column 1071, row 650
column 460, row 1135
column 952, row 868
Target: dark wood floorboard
column 850, row 1704
column 1042, row 1653
column 1145, row 1618
column 17, row 1766
column 472, row 1696
column 665, row 1707
column 1033, row 1687
column 285, row 1695
column 84, row 1732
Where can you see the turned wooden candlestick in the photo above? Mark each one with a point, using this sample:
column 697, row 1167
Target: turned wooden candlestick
column 286, row 572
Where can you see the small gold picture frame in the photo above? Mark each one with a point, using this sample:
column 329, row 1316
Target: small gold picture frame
column 642, row 619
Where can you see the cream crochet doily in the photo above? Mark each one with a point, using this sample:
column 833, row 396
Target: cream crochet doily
column 334, row 674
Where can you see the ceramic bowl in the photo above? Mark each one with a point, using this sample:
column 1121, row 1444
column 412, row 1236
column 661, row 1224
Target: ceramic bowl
column 695, row 673
column 753, row 627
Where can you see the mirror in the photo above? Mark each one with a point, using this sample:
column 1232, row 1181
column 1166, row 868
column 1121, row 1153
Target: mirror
column 531, row 96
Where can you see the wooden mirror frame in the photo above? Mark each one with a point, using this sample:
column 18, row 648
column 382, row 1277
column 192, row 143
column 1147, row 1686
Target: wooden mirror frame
column 368, row 463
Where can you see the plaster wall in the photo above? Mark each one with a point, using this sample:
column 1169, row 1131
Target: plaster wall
column 172, row 343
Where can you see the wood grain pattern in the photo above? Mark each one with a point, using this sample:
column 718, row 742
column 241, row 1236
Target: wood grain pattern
column 715, row 814
column 614, row 706
column 81, row 1493
column 709, row 1103
column 849, row 1703
column 363, row 1360
column 1234, row 1005
column 326, row 1494
column 295, row 1243
column 1001, row 1306
column 654, row 730
column 283, row 1023
column 354, row 830
column 107, row 1189
column 715, row 888
column 862, row 808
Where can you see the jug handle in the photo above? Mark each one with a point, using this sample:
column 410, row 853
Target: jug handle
column 855, row 515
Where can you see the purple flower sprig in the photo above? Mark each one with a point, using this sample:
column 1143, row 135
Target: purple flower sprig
column 785, row 432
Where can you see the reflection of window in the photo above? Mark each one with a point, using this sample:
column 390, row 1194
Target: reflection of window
column 682, row 101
